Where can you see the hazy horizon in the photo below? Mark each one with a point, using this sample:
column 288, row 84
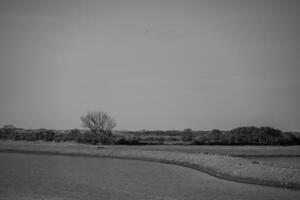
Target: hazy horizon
column 154, row 65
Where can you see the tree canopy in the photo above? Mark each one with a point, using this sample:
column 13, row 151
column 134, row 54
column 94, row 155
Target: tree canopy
column 98, row 122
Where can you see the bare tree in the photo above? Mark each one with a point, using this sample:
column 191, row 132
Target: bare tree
column 98, row 122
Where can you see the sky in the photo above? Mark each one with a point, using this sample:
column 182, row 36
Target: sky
column 154, row 65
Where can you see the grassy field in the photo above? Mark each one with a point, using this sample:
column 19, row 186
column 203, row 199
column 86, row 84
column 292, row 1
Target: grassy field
column 222, row 166
column 240, row 151
column 31, row 176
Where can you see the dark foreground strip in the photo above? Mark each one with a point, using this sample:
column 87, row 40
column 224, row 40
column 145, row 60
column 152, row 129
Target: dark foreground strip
column 264, row 156
column 256, row 181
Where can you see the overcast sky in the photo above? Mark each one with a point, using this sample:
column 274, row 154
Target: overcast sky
column 159, row 64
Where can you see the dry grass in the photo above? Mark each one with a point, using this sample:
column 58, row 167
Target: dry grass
column 242, row 151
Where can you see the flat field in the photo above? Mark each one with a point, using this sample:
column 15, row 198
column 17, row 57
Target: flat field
column 29, row 176
column 213, row 160
column 240, row 151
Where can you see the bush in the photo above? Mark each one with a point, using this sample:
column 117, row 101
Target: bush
column 187, row 135
column 247, row 136
column 128, row 140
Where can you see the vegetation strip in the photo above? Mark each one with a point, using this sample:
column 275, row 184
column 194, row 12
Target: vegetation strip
column 102, row 134
column 225, row 167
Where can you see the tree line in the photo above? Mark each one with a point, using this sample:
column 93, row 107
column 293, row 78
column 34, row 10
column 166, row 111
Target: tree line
column 238, row 136
column 100, row 126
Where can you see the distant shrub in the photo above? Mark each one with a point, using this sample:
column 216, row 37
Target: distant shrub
column 128, row 140
column 294, row 138
column 9, row 127
column 247, row 136
column 201, row 140
column 187, row 135
column 74, row 135
column 59, row 137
